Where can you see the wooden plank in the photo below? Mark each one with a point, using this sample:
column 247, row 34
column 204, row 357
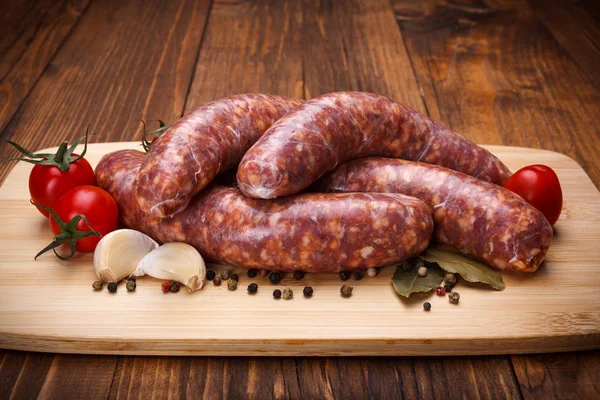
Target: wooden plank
column 340, row 54
column 249, row 47
column 475, row 81
column 47, row 26
column 121, row 63
column 576, row 30
column 555, row 317
column 558, row 376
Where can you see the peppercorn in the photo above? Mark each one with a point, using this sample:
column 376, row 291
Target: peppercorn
column 450, row 278
column 131, row 278
column 427, row 306
column 454, row 297
column 252, row 273
column 422, row 271
column 252, row 288
column 440, row 291
column 130, row 285
column 275, row 278
column 346, row 290
column 166, row 286
column 277, row 293
column 298, row 275
column 344, row 275
column 225, row 274
column 112, row 287
column 232, row 284
column 448, row 287
column 210, row 274
column 235, row 277
column 372, row 272
column 217, row 281
column 175, row 287
column 307, row 291
column 357, row 275
column 288, row 293
column 419, row 264
column 98, row 285
column 264, row 272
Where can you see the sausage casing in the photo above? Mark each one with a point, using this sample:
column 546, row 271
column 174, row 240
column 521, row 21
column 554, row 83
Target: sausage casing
column 201, row 145
column 309, row 232
column 482, row 219
column 336, row 127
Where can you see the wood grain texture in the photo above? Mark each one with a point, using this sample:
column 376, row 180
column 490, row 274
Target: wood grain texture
column 141, row 69
column 37, row 37
column 484, row 323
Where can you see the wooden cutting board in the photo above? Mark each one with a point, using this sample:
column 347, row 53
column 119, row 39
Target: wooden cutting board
column 49, row 305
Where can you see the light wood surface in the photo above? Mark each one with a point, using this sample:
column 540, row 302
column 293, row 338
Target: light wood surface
column 49, row 305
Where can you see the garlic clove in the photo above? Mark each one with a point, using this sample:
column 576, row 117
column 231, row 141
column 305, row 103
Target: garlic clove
column 175, row 262
column 119, row 252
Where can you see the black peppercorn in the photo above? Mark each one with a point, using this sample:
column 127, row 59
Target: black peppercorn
column 112, row 287
column 210, row 274
column 131, row 278
column 235, row 277
column 277, row 293
column 130, row 285
column 97, row 285
column 275, row 278
column 175, row 287
column 252, row 273
column 427, row 306
column 298, row 275
column 344, row 275
column 448, row 287
column 357, row 275
column 308, row 291
column 252, row 288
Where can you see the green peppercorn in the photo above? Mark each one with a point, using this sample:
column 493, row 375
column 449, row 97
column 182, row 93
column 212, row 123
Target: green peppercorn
column 175, row 287
column 344, row 275
column 357, row 275
column 307, row 291
column 288, row 293
column 346, row 290
column 450, row 278
column 217, row 281
column 232, row 284
column 98, row 285
column 427, row 306
column 252, row 288
column 277, row 293
column 225, row 274
column 454, row 297
column 112, row 287
column 275, row 277
column 130, row 285
column 210, row 274
column 298, row 275
column 252, row 273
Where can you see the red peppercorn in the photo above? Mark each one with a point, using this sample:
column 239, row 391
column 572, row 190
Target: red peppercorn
column 166, row 286
column 440, row 291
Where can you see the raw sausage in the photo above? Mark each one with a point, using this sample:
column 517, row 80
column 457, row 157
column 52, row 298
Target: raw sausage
column 487, row 221
column 201, row 145
column 330, row 129
column 309, row 232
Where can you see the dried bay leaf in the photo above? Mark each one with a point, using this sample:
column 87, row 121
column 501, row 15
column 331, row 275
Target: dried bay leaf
column 450, row 259
column 407, row 281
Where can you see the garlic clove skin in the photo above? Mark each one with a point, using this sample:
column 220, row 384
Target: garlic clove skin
column 119, row 252
column 174, row 262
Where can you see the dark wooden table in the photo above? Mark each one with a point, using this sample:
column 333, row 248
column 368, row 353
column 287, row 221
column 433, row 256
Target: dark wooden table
column 523, row 73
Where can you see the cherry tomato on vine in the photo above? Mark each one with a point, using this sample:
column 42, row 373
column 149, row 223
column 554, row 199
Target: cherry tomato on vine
column 81, row 217
column 539, row 186
column 55, row 174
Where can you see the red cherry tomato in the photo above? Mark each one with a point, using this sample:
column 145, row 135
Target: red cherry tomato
column 539, row 186
column 96, row 204
column 47, row 183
